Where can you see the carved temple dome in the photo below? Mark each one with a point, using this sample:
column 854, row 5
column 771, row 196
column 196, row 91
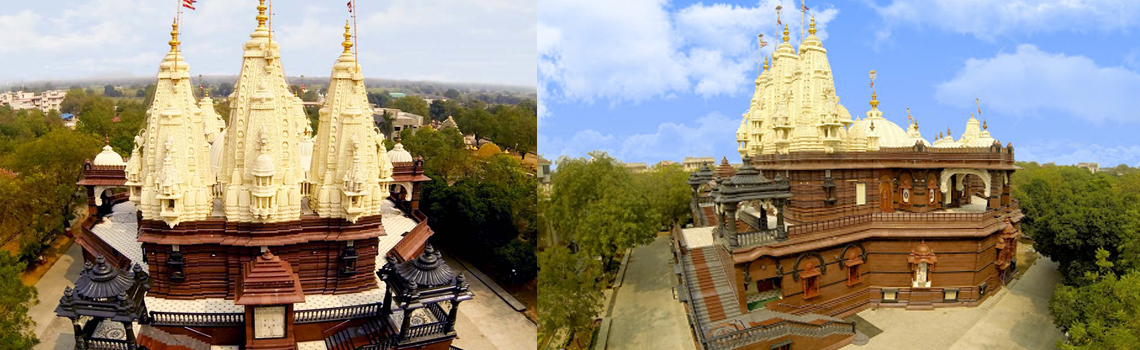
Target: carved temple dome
column 399, row 155
column 427, row 270
column 108, row 157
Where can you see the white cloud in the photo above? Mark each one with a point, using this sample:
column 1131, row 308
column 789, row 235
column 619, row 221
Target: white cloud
column 671, row 141
column 987, row 19
column 1029, row 80
column 1073, row 153
column 638, row 50
column 489, row 41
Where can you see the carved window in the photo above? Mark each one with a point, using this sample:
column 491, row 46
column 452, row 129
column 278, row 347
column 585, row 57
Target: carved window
column 175, row 263
column 853, row 275
column 811, row 287
column 860, row 193
column 348, row 258
column 853, row 261
column 829, row 188
column 921, row 275
column 269, row 322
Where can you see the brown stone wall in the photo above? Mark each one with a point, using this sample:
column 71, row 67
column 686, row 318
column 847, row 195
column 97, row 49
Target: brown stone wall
column 808, row 194
column 962, row 264
column 212, row 270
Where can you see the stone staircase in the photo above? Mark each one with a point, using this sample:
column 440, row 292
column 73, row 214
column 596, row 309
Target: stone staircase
column 713, row 298
column 369, row 335
column 149, row 335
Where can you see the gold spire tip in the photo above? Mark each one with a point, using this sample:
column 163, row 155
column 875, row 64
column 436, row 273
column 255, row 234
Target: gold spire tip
column 785, row 33
column 261, row 17
column 765, row 62
column 874, row 100
column 347, row 38
column 174, row 36
column 811, row 29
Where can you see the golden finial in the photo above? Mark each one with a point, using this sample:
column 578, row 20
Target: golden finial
column 947, row 131
column 873, row 125
column 765, row 62
column 261, row 17
column 174, row 37
column 984, row 126
column 812, row 28
column 347, row 38
column 874, row 100
column 785, row 33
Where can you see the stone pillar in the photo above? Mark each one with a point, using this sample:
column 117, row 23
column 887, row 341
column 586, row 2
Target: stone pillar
column 80, row 342
column 781, row 230
column 129, row 329
column 451, row 315
column 763, row 218
column 730, row 223
column 387, row 308
column 407, row 323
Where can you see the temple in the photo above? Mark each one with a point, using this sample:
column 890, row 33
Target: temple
column 253, row 233
column 830, row 215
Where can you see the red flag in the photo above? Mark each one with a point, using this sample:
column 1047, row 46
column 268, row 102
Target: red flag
column 188, row 4
column 350, row 6
column 805, row 8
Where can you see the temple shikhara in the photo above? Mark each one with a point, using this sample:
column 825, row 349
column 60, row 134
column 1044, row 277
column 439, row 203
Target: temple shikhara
column 254, row 233
column 830, row 215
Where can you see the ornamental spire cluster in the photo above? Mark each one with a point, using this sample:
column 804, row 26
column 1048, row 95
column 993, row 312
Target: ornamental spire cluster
column 188, row 164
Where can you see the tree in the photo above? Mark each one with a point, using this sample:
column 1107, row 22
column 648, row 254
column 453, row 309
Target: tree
column 16, row 327
column 1071, row 213
column 451, row 94
column 569, row 295
column 668, row 191
column 438, row 110
column 411, row 104
column 380, row 99
column 223, row 90
column 110, row 91
column 600, row 206
column 1104, row 314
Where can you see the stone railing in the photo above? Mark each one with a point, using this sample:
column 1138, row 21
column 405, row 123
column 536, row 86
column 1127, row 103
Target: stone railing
column 106, row 344
column 750, row 239
column 336, row 313
column 189, row 319
column 425, row 330
column 779, row 329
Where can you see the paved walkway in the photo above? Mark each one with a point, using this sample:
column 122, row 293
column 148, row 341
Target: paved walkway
column 488, row 323
column 645, row 315
column 1016, row 318
column 55, row 332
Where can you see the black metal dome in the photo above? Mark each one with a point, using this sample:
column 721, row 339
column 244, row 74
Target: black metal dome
column 102, row 281
column 427, row 270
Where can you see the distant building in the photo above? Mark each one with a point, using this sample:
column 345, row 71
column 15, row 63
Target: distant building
column 637, row 167
column 396, row 94
column 691, row 164
column 47, row 101
column 69, row 120
column 403, row 120
column 1092, row 167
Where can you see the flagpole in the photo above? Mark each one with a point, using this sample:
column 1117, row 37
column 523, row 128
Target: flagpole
column 178, row 21
column 355, row 43
column 803, row 13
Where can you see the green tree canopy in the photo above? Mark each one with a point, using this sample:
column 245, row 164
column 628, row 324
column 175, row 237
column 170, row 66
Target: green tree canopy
column 411, row 104
column 569, row 294
column 16, row 327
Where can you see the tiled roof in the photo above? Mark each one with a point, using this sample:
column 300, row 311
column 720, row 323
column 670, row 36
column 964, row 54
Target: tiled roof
column 120, row 231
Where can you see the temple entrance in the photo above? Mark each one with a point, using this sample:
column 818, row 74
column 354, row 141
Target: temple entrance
column 886, row 196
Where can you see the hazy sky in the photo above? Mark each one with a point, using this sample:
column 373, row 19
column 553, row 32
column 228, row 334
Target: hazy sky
column 485, row 41
column 651, row 80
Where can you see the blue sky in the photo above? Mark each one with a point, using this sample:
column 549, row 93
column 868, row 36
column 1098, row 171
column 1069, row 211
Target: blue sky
column 486, row 41
column 651, row 80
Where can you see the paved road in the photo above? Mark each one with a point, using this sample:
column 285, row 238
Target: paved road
column 484, row 323
column 645, row 315
column 55, row 332
column 1016, row 318
column 489, row 323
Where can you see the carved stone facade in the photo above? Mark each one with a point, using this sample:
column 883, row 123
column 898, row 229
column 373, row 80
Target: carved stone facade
column 351, row 175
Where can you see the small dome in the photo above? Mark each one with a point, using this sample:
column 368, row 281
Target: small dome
column 399, row 155
column 890, row 134
column 263, row 165
column 923, row 249
column 109, row 158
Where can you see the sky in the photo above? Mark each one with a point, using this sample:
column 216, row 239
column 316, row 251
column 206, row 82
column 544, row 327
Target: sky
column 652, row 80
column 486, row 41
